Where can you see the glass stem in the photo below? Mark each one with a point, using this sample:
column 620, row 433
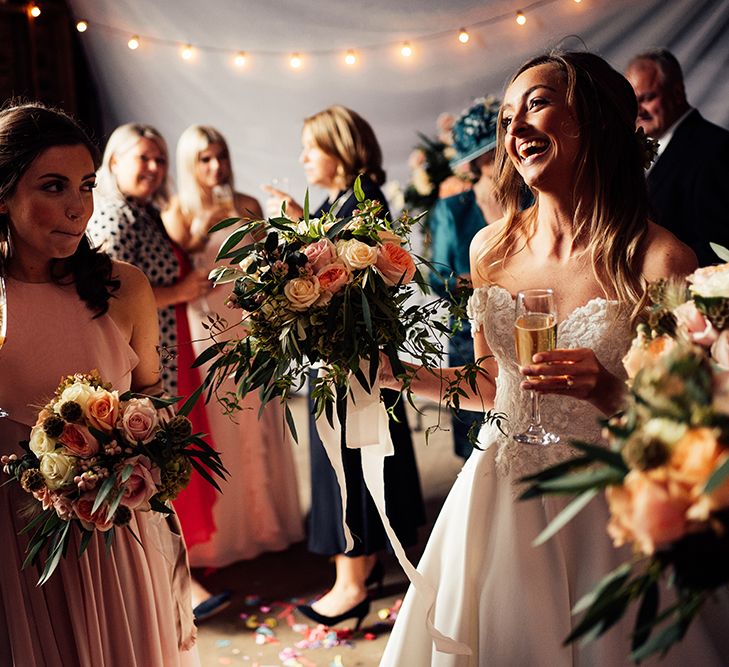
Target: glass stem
column 536, row 417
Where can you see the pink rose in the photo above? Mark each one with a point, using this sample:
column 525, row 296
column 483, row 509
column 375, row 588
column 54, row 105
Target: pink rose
column 141, row 485
column 98, row 520
column 333, row 277
column 78, row 441
column 720, row 350
column 320, row 253
column 696, row 326
column 139, row 420
column 650, row 509
column 102, row 410
column 395, row 264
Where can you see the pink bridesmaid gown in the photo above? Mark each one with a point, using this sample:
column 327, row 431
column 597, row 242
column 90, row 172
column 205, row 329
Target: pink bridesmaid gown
column 128, row 607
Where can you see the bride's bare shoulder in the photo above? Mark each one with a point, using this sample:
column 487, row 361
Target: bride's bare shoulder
column 664, row 255
column 485, row 238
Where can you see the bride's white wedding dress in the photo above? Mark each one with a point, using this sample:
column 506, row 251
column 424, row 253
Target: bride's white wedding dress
column 508, row 600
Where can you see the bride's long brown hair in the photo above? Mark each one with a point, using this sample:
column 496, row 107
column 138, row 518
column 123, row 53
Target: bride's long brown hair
column 609, row 192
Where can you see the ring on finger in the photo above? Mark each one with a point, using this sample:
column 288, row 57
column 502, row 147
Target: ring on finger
column 570, row 382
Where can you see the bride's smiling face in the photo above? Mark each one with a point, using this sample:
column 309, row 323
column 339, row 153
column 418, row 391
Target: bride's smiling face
column 541, row 132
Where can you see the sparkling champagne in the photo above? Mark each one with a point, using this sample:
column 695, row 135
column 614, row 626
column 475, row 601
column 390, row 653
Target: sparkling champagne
column 534, row 332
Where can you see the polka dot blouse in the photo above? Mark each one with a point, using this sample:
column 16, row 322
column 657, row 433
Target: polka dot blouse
column 134, row 233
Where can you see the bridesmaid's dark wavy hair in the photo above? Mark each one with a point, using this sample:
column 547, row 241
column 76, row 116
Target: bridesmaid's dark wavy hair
column 26, row 130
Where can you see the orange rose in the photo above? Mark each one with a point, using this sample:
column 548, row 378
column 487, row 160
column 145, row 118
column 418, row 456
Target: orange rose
column 102, row 410
column 332, row 277
column 395, row 264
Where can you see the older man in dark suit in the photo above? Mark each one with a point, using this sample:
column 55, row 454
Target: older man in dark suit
column 688, row 185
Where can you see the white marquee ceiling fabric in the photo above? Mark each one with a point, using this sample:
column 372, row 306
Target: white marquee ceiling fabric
column 260, row 107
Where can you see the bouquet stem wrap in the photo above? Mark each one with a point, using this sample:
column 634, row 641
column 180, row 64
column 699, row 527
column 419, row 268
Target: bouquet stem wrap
column 368, row 430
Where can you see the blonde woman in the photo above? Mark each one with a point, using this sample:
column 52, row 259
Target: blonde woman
column 259, row 509
column 567, row 131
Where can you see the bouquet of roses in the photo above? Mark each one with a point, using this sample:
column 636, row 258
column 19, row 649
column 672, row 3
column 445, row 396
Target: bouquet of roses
column 328, row 293
column 666, row 473
column 95, row 456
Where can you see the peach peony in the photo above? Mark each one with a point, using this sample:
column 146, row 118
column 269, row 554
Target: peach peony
column 333, row 277
column 643, row 351
column 77, row 439
column 395, row 264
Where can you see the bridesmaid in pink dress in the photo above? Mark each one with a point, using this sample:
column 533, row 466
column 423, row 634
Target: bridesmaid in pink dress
column 71, row 309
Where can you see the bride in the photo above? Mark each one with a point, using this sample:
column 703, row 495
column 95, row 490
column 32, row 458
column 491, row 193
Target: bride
column 567, row 130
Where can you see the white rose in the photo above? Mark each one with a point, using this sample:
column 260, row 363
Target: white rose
column 78, row 392
column 302, row 292
column 40, row 443
column 357, row 255
column 711, row 281
column 421, row 182
column 57, row 469
column 665, row 430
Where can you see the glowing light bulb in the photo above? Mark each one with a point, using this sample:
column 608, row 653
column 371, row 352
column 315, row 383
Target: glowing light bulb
column 578, row 1
column 295, row 61
column 350, row 58
column 34, row 11
column 520, row 18
column 186, row 52
column 133, row 43
column 82, row 26
column 240, row 59
column 406, row 51
column 463, row 36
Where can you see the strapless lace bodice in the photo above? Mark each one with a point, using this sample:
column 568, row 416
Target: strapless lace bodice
column 598, row 325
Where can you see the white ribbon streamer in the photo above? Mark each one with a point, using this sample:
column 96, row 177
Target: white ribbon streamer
column 368, row 430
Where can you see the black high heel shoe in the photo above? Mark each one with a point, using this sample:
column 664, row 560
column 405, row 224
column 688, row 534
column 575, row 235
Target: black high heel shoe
column 359, row 611
column 376, row 576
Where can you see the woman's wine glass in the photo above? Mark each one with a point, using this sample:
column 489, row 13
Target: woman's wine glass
column 535, row 330
column 3, row 323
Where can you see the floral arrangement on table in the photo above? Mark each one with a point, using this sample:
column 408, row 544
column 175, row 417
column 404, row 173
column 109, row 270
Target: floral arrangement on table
column 666, row 473
column 95, row 456
column 328, row 293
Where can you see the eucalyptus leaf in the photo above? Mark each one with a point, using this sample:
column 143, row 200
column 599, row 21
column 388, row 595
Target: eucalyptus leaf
column 565, row 516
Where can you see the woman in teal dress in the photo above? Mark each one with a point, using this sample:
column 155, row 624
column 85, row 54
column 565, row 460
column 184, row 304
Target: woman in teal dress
column 453, row 222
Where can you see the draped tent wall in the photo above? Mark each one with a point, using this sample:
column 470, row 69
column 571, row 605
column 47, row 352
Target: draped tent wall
column 260, row 107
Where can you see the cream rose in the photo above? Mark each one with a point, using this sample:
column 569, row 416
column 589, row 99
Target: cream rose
column 357, row 255
column 710, row 281
column 102, row 410
column 140, row 420
column 395, row 264
column 77, row 392
column 333, row 277
column 40, row 443
column 302, row 292
column 57, row 469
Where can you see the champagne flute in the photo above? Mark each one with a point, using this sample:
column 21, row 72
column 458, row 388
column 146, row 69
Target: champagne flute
column 535, row 330
column 3, row 323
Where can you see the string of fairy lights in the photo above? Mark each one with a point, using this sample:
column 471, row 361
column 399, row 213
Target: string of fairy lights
column 352, row 56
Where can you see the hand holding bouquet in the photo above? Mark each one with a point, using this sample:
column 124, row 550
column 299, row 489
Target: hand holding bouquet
column 666, row 474
column 94, row 457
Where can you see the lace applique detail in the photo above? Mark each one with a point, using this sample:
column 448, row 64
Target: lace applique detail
column 598, row 325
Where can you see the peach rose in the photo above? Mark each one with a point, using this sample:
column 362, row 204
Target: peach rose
column 653, row 513
column 141, row 485
column 78, row 441
column 395, row 264
column 697, row 327
column 302, row 292
column 333, row 277
column 320, row 253
column 98, row 520
column 140, row 420
column 720, row 350
column 644, row 350
column 102, row 410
